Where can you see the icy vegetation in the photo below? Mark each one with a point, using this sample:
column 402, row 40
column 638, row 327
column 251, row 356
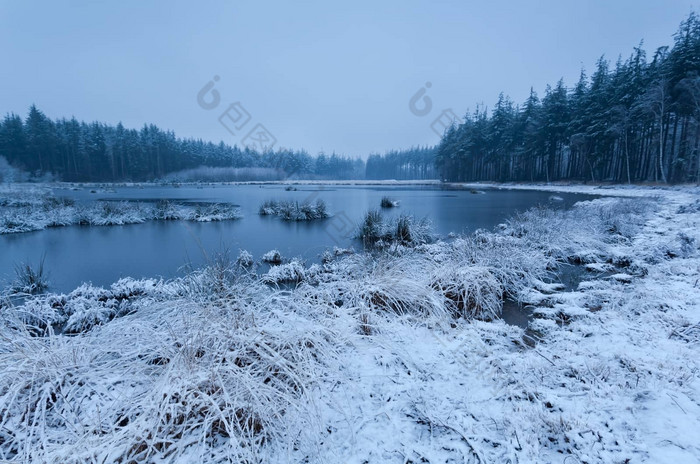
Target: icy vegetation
column 376, row 232
column 396, row 355
column 272, row 257
column 387, row 202
column 29, row 279
column 295, row 211
column 25, row 210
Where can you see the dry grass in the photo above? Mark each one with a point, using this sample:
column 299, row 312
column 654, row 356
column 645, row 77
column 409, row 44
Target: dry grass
column 180, row 380
column 405, row 230
column 30, row 280
column 294, row 211
column 221, row 367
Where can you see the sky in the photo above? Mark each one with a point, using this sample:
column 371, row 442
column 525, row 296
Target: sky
column 317, row 75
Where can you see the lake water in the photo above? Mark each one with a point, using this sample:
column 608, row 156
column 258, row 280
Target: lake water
column 102, row 255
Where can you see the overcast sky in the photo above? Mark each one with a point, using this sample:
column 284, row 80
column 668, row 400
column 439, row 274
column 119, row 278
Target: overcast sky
column 318, row 75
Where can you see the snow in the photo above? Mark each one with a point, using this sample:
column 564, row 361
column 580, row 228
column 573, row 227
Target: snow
column 245, row 259
column 599, row 267
column 28, row 209
column 294, row 211
column 292, row 271
column 272, row 257
column 394, row 356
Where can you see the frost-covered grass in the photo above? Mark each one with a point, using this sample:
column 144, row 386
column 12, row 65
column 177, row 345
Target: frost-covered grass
column 405, row 230
column 387, row 202
column 396, row 355
column 272, row 257
column 291, row 272
column 30, row 279
column 25, row 210
column 294, row 211
column 213, row 384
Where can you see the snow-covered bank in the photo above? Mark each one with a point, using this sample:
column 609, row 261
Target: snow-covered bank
column 30, row 209
column 384, row 357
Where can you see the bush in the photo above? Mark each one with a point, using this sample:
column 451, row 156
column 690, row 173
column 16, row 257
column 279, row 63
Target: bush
column 214, row 212
column 291, row 272
column 27, row 210
column 388, row 203
column 166, row 210
column 404, row 230
column 272, row 257
column 215, row 386
column 293, row 210
column 470, row 292
column 245, row 259
column 371, row 229
column 29, row 280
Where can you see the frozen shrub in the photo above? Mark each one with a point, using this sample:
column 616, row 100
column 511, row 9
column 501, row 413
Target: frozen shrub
column 471, row 292
column 87, row 306
column 387, row 202
column 32, row 210
column 326, row 257
column 410, row 231
column 213, row 386
column 221, row 273
column 214, row 212
column 30, row 280
column 342, row 251
column 404, row 230
column 294, row 211
column 371, row 229
column 166, row 210
column 16, row 222
column 387, row 283
column 272, row 257
column 587, row 233
column 108, row 213
column 619, row 217
column 245, row 259
column 690, row 208
column 688, row 245
column 268, row 208
column 290, row 272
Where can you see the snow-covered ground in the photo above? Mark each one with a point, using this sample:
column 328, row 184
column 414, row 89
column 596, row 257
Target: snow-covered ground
column 29, row 208
column 396, row 356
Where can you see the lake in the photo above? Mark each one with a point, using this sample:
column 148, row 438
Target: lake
column 103, row 254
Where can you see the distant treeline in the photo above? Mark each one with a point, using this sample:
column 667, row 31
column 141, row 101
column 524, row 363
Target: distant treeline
column 639, row 121
column 70, row 150
column 414, row 163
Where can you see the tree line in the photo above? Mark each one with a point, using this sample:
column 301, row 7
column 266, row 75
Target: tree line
column 636, row 121
column 414, row 163
column 75, row 151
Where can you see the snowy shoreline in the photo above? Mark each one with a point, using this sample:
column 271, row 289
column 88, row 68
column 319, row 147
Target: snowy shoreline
column 390, row 357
